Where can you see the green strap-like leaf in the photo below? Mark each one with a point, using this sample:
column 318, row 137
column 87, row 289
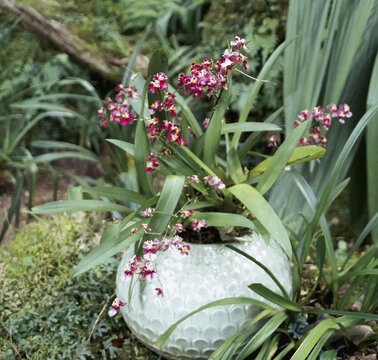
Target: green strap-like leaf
column 213, row 132
column 166, row 205
column 261, row 209
column 262, row 266
column 304, row 246
column 252, row 139
column 116, row 193
column 128, row 147
column 342, row 279
column 184, row 151
column 371, row 150
column 227, row 301
column 249, row 126
column 234, row 167
column 109, row 247
column 64, row 155
column 274, row 297
column 313, row 337
column 319, row 346
column 373, row 224
column 219, row 219
column 262, row 335
column 229, row 347
column 280, row 159
column 78, row 205
column 300, row 154
column 141, row 154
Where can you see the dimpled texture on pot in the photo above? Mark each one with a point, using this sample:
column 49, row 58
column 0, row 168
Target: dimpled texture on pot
column 210, row 272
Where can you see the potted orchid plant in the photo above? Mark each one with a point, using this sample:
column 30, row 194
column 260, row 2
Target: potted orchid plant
column 198, row 211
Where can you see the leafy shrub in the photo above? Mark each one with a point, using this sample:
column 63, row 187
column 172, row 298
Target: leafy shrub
column 45, row 312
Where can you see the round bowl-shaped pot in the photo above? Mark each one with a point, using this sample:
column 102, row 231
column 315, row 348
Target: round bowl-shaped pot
column 210, row 272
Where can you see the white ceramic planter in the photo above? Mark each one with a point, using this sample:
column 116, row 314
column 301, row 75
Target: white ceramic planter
column 208, row 273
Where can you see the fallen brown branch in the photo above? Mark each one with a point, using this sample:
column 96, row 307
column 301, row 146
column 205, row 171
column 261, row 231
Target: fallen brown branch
column 62, row 37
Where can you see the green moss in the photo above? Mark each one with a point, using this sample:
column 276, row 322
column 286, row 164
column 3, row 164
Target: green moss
column 44, row 312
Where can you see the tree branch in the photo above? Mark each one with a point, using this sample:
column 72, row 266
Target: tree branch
column 62, row 37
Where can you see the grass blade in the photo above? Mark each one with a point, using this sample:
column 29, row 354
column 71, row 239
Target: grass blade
column 371, row 150
column 116, row 193
column 275, row 298
column 125, row 146
column 253, row 138
column 219, row 219
column 313, row 337
column 107, row 249
column 261, row 209
column 69, row 206
column 300, row 155
column 234, row 167
column 227, row 301
column 373, row 223
column 280, row 159
column 249, row 126
column 166, row 205
column 262, row 335
column 64, row 155
column 213, row 133
column 258, row 263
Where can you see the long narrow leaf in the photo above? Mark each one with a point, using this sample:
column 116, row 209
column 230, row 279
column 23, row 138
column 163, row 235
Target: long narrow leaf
column 166, row 205
column 371, row 153
column 69, row 206
column 219, row 219
column 64, row 155
column 262, row 335
column 227, row 301
column 234, row 167
column 300, row 154
column 280, row 159
column 373, row 223
column 107, row 249
column 253, row 138
column 274, row 297
column 226, row 350
column 249, row 126
column 261, row 209
column 196, row 159
column 351, row 314
column 313, row 337
column 116, row 193
column 128, row 147
column 213, row 133
column 141, row 154
column 261, row 265
column 319, row 346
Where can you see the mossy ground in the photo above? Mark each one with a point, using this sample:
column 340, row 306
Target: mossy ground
column 45, row 313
